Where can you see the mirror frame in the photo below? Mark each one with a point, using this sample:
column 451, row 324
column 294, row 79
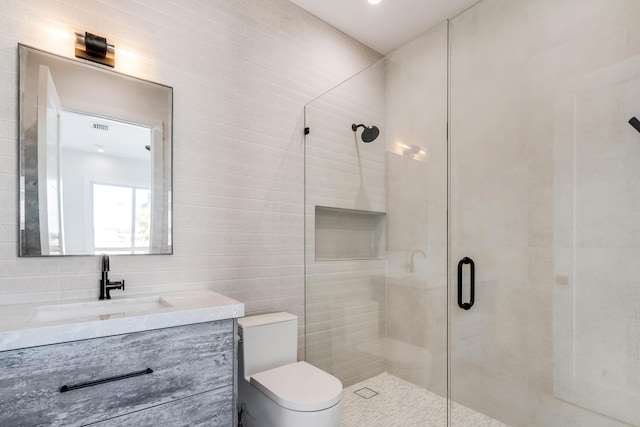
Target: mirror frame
column 166, row 248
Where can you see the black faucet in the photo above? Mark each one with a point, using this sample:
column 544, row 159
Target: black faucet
column 105, row 285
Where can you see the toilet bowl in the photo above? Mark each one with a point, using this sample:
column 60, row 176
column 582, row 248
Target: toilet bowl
column 274, row 389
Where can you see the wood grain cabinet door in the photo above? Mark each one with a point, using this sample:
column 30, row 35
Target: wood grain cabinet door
column 210, row 409
column 185, row 361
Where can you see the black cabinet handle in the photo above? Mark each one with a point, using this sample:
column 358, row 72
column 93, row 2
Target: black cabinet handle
column 66, row 388
column 466, row 305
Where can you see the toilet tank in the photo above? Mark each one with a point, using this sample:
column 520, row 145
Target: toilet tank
column 267, row 341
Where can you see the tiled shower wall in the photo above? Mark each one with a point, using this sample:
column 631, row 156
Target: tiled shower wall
column 242, row 71
column 346, row 296
column 365, row 316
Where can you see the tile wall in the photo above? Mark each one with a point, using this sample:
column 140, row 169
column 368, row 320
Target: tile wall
column 346, row 296
column 242, row 71
column 376, row 315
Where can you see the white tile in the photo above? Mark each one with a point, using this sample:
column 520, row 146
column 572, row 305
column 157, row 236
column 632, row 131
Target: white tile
column 400, row 403
column 241, row 78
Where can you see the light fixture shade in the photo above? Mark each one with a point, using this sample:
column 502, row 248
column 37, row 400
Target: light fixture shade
column 95, row 48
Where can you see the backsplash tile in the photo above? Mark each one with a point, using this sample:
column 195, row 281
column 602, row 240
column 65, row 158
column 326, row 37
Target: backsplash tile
column 242, row 71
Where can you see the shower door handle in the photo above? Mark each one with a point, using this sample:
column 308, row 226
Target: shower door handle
column 466, row 305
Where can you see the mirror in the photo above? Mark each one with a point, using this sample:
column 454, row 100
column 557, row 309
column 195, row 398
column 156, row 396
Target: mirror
column 95, row 159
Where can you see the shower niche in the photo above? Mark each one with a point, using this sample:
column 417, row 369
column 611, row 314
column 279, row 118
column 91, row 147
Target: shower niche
column 347, row 234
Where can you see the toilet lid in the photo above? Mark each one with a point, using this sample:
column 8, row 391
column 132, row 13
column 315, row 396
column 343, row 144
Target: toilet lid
column 299, row 386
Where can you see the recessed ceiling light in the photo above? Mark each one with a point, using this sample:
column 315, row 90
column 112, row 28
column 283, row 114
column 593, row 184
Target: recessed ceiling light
column 99, row 148
column 374, row 1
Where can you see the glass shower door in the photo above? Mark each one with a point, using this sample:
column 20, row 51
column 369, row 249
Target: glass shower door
column 544, row 198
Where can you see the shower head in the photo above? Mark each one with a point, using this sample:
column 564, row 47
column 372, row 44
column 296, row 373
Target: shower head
column 369, row 133
column 635, row 123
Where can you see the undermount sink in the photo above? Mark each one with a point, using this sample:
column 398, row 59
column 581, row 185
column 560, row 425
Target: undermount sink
column 98, row 310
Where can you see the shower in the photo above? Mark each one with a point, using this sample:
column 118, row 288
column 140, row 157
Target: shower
column 460, row 174
column 369, row 133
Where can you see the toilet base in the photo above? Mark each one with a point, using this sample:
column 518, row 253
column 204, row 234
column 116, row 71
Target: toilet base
column 260, row 411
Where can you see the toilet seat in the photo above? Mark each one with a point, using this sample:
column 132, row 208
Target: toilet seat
column 299, row 386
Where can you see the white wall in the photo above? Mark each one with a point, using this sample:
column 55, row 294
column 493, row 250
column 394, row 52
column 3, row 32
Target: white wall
column 242, row 71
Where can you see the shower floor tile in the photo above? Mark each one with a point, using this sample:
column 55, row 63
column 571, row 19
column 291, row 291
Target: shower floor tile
column 401, row 403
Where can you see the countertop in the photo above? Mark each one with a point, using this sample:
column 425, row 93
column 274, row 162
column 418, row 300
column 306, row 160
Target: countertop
column 20, row 326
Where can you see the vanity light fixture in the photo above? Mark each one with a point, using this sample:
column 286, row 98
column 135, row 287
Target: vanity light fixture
column 95, row 48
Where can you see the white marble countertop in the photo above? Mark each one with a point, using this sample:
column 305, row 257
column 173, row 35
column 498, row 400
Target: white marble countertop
column 30, row 325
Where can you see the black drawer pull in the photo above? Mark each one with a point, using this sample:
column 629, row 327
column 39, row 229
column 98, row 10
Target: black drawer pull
column 66, row 388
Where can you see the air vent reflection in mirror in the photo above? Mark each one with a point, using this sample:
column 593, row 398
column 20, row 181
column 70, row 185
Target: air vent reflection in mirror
column 100, row 126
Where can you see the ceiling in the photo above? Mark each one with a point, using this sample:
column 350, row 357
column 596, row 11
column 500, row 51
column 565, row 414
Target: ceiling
column 115, row 138
column 387, row 25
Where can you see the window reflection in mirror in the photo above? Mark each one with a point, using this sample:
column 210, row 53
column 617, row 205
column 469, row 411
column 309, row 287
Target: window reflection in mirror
column 95, row 160
column 121, row 219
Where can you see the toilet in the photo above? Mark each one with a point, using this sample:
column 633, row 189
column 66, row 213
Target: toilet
column 274, row 389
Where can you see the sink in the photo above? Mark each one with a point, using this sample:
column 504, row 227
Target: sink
column 44, row 323
column 98, row 310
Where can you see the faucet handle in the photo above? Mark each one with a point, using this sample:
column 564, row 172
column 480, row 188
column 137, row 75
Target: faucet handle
column 119, row 284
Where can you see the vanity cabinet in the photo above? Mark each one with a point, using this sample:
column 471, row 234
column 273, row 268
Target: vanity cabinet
column 209, row 409
column 173, row 376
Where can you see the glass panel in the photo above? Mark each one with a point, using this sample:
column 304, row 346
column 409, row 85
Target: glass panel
column 544, row 199
column 542, row 202
column 345, row 298
column 376, row 237
column 597, row 297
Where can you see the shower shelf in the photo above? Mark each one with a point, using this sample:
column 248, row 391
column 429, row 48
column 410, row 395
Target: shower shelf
column 347, row 234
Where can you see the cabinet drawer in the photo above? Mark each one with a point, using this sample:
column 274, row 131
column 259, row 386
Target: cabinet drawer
column 211, row 409
column 185, row 360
